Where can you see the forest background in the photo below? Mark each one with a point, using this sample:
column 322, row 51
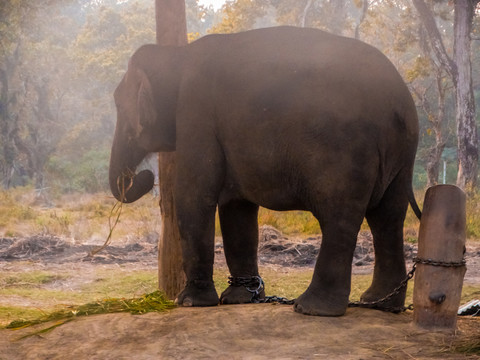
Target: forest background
column 60, row 61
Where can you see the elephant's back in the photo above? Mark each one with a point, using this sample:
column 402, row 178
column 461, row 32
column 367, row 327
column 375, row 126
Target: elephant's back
column 290, row 46
column 327, row 61
column 285, row 67
column 305, row 82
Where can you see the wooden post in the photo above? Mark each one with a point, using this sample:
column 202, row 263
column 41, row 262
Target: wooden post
column 171, row 31
column 171, row 22
column 441, row 242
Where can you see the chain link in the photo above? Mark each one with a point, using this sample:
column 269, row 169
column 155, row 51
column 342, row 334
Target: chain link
column 416, row 260
column 377, row 303
column 276, row 299
column 460, row 263
column 256, row 285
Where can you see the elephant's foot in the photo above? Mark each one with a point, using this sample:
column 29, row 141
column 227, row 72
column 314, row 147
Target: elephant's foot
column 373, row 294
column 239, row 295
column 198, row 293
column 320, row 303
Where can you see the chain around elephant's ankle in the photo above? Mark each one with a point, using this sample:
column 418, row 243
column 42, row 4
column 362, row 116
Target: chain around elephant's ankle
column 253, row 284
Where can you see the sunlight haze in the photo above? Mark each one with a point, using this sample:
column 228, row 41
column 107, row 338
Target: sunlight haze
column 217, row 4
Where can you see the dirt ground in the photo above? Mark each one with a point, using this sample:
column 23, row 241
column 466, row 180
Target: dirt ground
column 261, row 331
column 256, row 331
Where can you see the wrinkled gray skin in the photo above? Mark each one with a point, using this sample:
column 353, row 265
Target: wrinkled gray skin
column 284, row 118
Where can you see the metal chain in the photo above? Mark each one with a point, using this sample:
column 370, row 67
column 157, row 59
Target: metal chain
column 256, row 285
column 253, row 284
column 276, row 300
column 416, row 260
column 248, row 282
column 376, row 304
column 460, row 263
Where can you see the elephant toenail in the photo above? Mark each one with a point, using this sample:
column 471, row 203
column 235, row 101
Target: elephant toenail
column 187, row 302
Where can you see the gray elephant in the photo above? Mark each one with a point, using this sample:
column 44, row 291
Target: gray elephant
column 284, row 118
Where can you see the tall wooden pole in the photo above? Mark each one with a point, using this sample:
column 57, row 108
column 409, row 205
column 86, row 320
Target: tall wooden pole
column 171, row 31
column 171, row 22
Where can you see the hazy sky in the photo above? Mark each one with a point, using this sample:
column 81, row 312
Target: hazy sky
column 215, row 3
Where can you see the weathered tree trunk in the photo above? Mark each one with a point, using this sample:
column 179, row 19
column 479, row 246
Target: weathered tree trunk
column 438, row 129
column 7, row 151
column 303, row 17
column 438, row 48
column 465, row 101
column 433, row 162
column 171, row 31
column 339, row 16
column 437, row 120
column 460, row 70
column 363, row 15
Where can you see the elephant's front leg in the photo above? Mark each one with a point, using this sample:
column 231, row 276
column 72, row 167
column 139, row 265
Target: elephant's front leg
column 238, row 220
column 196, row 222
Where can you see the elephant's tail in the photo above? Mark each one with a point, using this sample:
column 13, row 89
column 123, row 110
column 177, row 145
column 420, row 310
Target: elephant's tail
column 413, row 203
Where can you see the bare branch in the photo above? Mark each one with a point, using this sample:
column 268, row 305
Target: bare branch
column 303, row 18
column 436, row 41
column 361, row 19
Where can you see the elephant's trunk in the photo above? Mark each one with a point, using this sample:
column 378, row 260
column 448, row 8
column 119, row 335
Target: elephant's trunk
column 125, row 185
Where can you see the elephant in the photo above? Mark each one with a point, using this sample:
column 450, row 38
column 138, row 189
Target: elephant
column 285, row 118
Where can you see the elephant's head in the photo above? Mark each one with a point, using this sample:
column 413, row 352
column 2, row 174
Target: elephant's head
column 146, row 101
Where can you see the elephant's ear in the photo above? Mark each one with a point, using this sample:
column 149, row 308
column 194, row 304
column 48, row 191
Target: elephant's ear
column 145, row 105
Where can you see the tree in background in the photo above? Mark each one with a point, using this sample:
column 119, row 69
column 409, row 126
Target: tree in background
column 459, row 69
column 60, row 61
column 13, row 16
column 436, row 116
column 338, row 16
column 31, row 101
column 430, row 85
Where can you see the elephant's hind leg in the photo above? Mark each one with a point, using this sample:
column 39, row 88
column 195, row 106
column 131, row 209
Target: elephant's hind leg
column 386, row 224
column 328, row 292
column 238, row 220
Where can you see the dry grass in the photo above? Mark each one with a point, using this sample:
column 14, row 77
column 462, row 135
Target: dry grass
column 155, row 301
column 84, row 217
column 80, row 217
column 467, row 340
